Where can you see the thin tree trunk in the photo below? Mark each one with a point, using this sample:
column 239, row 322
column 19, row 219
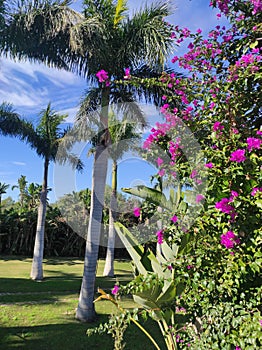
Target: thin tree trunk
column 86, row 311
column 109, row 263
column 37, row 264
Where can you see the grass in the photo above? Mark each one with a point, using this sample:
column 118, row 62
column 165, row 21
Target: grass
column 40, row 315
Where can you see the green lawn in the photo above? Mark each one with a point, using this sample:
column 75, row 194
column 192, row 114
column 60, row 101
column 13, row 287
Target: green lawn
column 40, row 315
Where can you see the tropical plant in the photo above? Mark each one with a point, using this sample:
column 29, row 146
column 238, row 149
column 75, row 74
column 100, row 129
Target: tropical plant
column 3, row 189
column 44, row 139
column 22, row 186
column 99, row 43
column 222, row 298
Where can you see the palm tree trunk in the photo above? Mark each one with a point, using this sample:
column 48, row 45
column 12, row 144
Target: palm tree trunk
column 86, row 311
column 109, row 263
column 37, row 265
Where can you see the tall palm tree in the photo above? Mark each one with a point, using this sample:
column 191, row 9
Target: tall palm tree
column 103, row 37
column 123, row 136
column 3, row 189
column 44, row 139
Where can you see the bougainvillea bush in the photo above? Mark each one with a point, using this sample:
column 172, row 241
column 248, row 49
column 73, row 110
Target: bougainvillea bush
column 219, row 100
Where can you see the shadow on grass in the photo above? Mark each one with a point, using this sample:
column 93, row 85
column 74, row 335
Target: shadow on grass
column 57, row 284
column 14, row 257
column 72, row 336
column 64, row 261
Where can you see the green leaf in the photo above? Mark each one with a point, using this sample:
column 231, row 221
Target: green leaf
column 135, row 251
column 168, row 295
column 254, row 44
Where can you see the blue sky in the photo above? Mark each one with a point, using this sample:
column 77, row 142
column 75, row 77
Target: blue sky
column 31, row 86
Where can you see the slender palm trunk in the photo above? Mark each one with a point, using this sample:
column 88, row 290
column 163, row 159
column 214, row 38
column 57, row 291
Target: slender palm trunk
column 37, row 265
column 109, row 264
column 86, row 311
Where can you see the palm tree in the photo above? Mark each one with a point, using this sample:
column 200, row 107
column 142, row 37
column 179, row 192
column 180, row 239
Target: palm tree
column 22, row 189
column 44, row 139
column 103, row 37
column 3, row 189
column 123, row 137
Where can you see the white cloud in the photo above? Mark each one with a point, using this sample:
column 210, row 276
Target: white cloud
column 58, row 77
column 19, row 163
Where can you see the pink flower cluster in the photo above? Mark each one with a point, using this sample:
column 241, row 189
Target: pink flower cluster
column 209, row 165
column 229, row 239
column 199, row 198
column 257, row 6
column 221, row 4
column 102, row 77
column 115, row 290
column 127, row 74
column 137, row 212
column 174, row 149
column 253, row 143
column 255, row 190
column 218, row 126
column 174, row 219
column 225, row 207
column 156, row 133
column 160, row 237
column 238, row 156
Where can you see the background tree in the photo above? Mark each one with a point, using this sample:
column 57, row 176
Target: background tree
column 22, row 186
column 123, row 136
column 44, row 139
column 3, row 189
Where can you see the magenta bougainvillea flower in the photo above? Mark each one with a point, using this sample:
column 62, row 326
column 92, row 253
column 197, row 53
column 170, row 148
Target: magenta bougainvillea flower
column 253, row 143
column 174, row 219
column 225, row 207
column 238, row 156
column 137, row 211
column 193, row 174
column 115, row 290
column 102, row 76
column 199, row 198
column 255, row 190
column 161, row 172
column 217, row 126
column 159, row 161
column 229, row 239
column 160, row 237
column 127, row 73
column 234, row 194
column 209, row 165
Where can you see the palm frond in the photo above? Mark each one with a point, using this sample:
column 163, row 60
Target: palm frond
column 40, row 31
column 121, row 8
column 148, row 35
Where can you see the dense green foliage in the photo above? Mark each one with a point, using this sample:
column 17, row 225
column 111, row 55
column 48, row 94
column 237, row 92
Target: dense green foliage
column 219, row 306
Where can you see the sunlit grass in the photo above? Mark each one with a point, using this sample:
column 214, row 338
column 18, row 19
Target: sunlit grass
column 41, row 315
